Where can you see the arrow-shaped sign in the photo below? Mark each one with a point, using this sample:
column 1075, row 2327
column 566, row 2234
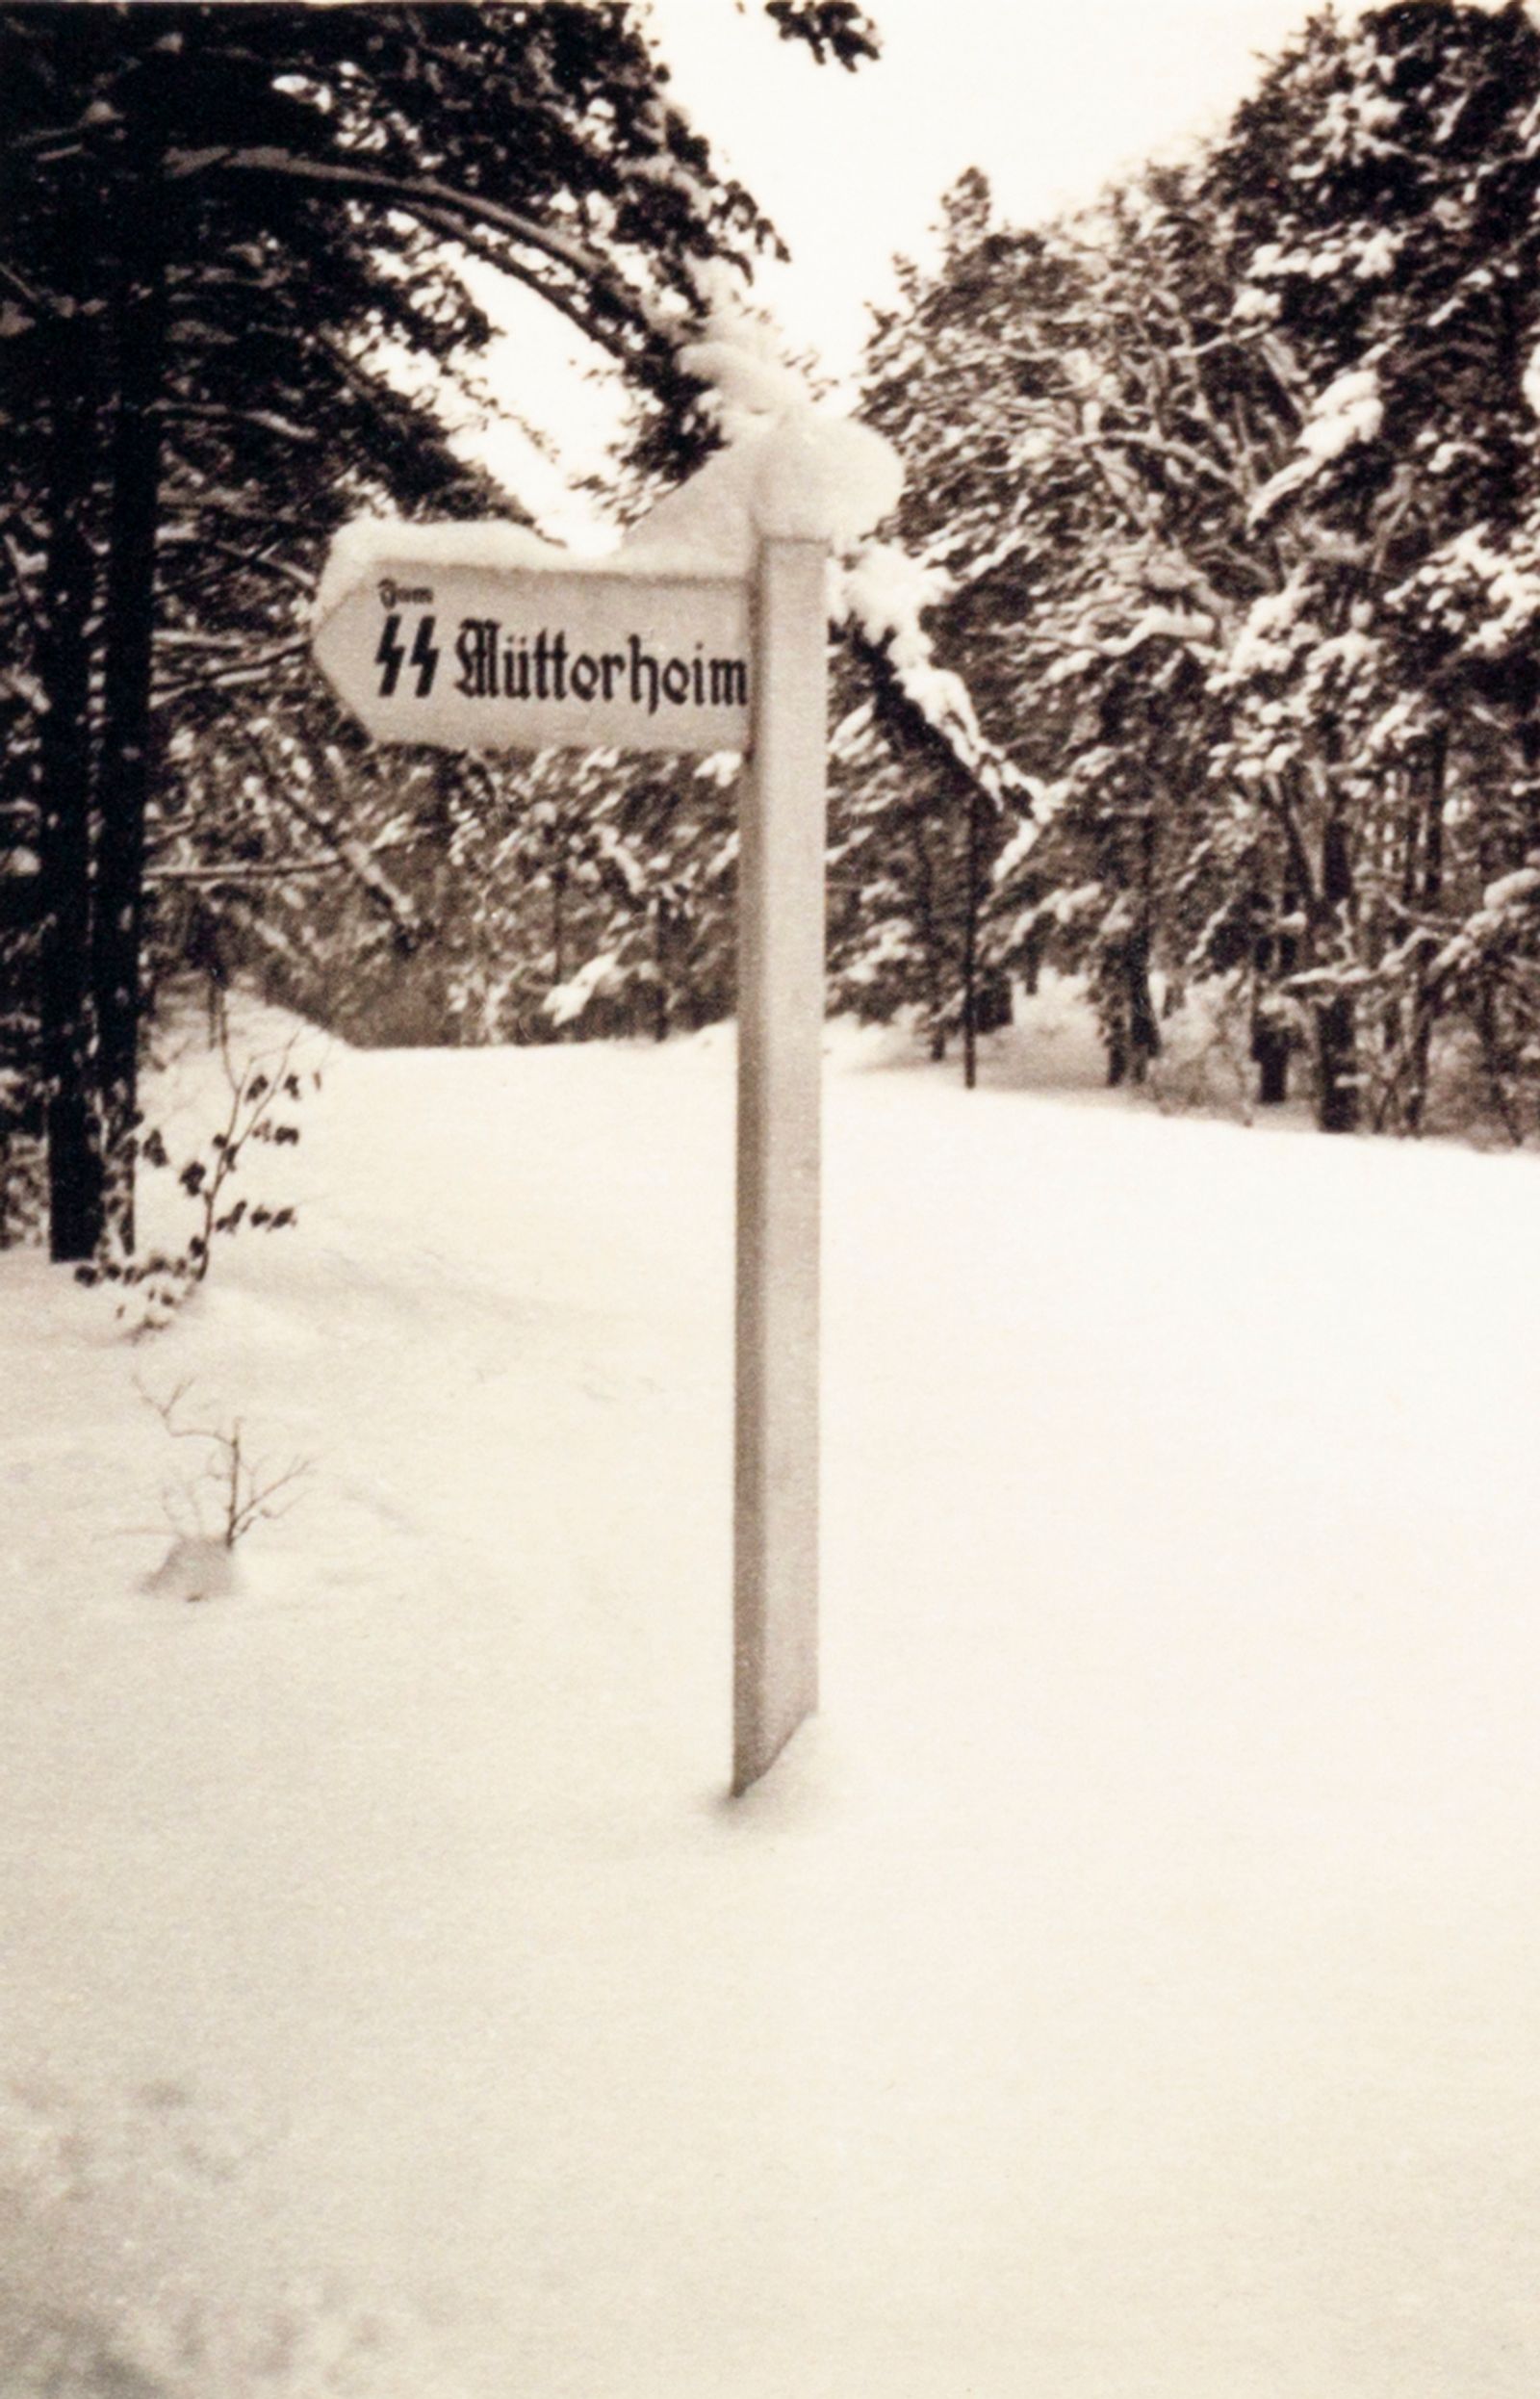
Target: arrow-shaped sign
column 469, row 658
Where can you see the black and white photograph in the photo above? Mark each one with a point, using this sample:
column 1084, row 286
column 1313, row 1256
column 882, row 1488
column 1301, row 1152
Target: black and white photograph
column 769, row 1198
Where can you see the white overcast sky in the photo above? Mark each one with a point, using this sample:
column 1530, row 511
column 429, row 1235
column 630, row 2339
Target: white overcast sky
column 1049, row 97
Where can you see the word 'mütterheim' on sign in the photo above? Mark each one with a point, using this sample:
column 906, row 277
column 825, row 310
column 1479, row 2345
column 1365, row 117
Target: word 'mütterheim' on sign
column 479, row 659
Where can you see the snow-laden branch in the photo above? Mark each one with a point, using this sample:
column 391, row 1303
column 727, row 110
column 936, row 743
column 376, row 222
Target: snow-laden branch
column 791, row 468
column 258, row 871
column 256, row 667
column 925, row 705
column 1347, row 415
column 358, row 859
column 255, row 560
column 418, row 195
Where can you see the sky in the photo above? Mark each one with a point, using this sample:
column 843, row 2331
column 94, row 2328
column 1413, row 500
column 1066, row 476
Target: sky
column 1051, row 98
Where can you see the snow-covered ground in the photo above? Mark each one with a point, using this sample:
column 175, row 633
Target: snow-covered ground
column 1129, row 1988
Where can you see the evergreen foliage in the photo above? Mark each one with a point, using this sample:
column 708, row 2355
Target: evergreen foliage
column 221, row 232
column 1221, row 510
column 1232, row 481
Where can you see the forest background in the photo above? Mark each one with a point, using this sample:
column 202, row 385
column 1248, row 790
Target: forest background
column 1222, row 518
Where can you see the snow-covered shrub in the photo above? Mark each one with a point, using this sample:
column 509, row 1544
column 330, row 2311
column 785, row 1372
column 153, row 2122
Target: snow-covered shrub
column 1206, row 1063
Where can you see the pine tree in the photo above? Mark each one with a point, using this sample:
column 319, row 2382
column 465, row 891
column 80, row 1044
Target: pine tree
column 218, row 225
column 1234, row 498
column 933, row 773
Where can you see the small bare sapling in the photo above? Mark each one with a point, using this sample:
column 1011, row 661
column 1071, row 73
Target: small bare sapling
column 211, row 1512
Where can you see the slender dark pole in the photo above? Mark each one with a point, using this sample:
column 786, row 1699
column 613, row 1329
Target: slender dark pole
column 65, row 827
column 139, row 312
column 970, row 939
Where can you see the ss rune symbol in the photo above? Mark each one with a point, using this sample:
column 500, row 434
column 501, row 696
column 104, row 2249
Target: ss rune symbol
column 389, row 658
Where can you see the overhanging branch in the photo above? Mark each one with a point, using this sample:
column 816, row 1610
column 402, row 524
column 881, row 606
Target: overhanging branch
column 418, row 195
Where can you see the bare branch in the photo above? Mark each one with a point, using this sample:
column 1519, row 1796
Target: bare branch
column 248, row 1490
column 272, row 870
column 38, row 302
column 186, row 537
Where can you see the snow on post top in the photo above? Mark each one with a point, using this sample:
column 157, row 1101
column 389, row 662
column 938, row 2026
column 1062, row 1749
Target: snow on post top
column 790, row 469
column 803, row 476
column 787, row 469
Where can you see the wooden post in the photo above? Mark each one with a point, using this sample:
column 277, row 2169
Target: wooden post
column 689, row 679
column 780, row 1013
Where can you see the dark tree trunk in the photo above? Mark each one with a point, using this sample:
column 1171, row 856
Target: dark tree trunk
column 934, row 964
column 1112, row 1016
column 139, row 325
column 1336, row 1030
column 1275, row 956
column 1272, row 1066
column 972, row 904
column 1144, row 1025
column 75, row 1179
column 1130, row 1026
column 1432, row 898
column 1338, row 1109
column 1032, row 965
column 996, row 1007
column 661, row 958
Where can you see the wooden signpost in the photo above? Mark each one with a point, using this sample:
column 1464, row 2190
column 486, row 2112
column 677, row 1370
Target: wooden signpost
column 422, row 648
column 781, row 1023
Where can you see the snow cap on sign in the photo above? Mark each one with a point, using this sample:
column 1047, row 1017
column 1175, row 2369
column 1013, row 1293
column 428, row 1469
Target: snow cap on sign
column 743, row 381
column 803, row 474
column 788, row 468
column 364, row 547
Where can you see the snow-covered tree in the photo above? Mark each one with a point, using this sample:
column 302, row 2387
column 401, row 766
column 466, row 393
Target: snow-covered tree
column 931, row 770
column 221, row 231
column 1378, row 208
column 1234, row 498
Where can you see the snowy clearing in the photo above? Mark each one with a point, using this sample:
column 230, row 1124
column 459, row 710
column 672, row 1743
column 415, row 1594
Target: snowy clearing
column 1128, row 1988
